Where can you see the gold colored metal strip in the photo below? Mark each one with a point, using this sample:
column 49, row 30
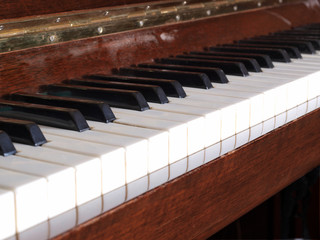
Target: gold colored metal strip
column 49, row 29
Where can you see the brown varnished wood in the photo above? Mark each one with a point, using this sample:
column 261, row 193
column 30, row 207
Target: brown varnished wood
column 203, row 201
column 27, row 69
column 22, row 8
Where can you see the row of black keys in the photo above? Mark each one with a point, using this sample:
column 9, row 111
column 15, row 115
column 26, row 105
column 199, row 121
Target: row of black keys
column 67, row 105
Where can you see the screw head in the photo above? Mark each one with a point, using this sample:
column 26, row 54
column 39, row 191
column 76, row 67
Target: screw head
column 208, row 12
column 100, row 30
column 178, row 18
column 141, row 23
column 235, row 8
column 52, row 38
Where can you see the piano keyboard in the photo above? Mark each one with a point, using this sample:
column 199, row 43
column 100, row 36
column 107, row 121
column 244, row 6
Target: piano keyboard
column 77, row 175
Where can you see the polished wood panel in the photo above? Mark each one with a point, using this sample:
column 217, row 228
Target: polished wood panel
column 27, row 69
column 208, row 198
column 23, row 8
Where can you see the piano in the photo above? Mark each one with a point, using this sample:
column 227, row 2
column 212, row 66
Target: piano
column 153, row 120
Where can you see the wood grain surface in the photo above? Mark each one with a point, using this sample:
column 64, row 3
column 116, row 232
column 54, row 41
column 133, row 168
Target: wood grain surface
column 23, row 8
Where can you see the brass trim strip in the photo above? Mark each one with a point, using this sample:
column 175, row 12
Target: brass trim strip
column 50, row 29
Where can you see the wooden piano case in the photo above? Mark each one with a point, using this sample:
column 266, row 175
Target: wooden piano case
column 201, row 202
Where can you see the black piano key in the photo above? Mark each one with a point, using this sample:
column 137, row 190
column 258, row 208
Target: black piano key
column 232, row 68
column 303, row 47
column 263, row 60
column 22, row 131
column 188, row 79
column 172, row 88
column 251, row 64
column 90, row 109
column 298, row 33
column 314, row 41
column 277, row 55
column 66, row 118
column 6, row 146
column 152, row 93
column 114, row 97
column 214, row 74
column 292, row 51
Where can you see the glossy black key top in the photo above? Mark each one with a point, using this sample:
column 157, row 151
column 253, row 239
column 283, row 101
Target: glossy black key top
column 263, row 60
column 114, row 97
column 152, row 93
column 66, row 118
column 90, row 109
column 22, row 131
column 188, row 79
column 6, row 146
column 298, row 33
column 303, row 46
column 292, row 51
column 313, row 40
column 214, row 74
column 172, row 88
column 277, row 55
column 232, row 68
column 251, row 64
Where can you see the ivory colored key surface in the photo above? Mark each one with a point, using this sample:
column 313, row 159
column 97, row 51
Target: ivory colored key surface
column 195, row 125
column 136, row 149
column 60, row 180
column 212, row 118
column 178, row 147
column 61, row 191
column 228, row 113
column 7, row 216
column 157, row 141
column 256, row 100
column 242, row 106
column 112, row 158
column 87, row 169
column 30, row 198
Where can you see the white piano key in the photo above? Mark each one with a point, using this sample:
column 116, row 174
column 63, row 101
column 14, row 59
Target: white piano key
column 256, row 100
column 195, row 160
column 137, row 187
column 114, row 198
column 242, row 106
column 228, row 113
column 112, row 158
column 268, row 125
column 60, row 180
column 312, row 105
column 87, row 169
column 291, row 114
column 135, row 148
column 211, row 117
column 62, row 223
column 280, row 119
column 269, row 96
column 242, row 138
column 212, row 152
column 195, row 125
column 178, row 168
column 7, row 216
column 177, row 132
column 157, row 141
column 31, row 202
column 158, row 177
column 302, row 109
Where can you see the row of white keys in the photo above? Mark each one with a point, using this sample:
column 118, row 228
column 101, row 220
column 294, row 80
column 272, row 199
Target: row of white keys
column 195, row 125
column 7, row 216
column 30, row 193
